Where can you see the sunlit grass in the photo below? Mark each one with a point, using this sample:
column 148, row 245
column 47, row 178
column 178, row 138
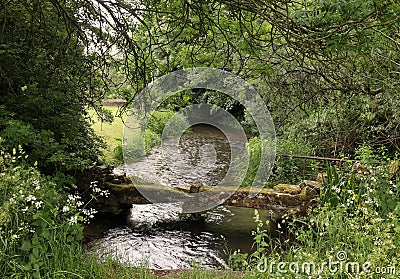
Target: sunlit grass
column 111, row 132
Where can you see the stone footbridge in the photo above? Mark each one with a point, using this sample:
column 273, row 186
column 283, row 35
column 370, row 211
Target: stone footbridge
column 280, row 200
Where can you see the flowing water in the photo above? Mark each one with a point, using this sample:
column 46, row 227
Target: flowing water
column 158, row 236
column 204, row 154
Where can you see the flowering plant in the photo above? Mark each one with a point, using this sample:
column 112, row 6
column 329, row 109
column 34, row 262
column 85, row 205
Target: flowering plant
column 37, row 216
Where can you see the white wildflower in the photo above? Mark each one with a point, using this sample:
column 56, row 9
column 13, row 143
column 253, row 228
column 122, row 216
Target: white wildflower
column 73, row 198
column 38, row 204
column 89, row 212
column 14, row 237
column 378, row 242
column 336, row 189
column 30, row 198
column 73, row 220
column 35, row 183
column 351, row 192
column 104, row 193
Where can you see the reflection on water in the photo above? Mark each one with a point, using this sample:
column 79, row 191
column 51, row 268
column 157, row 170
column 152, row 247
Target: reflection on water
column 163, row 249
column 159, row 237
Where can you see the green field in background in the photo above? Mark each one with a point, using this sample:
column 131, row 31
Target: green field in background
column 110, row 132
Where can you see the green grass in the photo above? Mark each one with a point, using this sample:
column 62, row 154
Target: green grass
column 356, row 223
column 110, row 132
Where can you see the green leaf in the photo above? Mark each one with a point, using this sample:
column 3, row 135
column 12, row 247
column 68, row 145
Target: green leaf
column 26, row 245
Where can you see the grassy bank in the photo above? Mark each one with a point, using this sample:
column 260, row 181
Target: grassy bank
column 353, row 233
column 111, row 132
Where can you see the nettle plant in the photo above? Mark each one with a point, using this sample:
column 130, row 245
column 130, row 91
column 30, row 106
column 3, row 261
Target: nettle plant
column 38, row 219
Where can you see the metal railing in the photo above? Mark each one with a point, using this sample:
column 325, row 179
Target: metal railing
column 312, row 165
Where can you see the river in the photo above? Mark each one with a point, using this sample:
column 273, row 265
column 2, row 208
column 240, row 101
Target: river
column 158, row 236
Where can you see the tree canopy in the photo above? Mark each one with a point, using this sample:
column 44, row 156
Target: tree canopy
column 328, row 70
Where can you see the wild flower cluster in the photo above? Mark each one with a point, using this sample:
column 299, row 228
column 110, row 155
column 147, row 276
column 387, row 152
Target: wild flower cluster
column 358, row 216
column 97, row 191
column 36, row 216
column 371, row 193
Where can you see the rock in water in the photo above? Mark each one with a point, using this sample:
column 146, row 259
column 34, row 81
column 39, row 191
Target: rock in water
column 195, row 186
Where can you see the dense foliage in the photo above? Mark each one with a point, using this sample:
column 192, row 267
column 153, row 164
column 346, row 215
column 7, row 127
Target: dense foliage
column 39, row 221
column 327, row 70
column 46, row 81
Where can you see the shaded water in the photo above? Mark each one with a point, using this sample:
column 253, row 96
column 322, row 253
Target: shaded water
column 158, row 236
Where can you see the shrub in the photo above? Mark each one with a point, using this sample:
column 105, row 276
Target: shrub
column 286, row 169
column 254, row 152
column 365, row 189
column 117, row 151
column 160, row 118
column 139, row 145
column 151, row 139
column 357, row 221
column 43, row 149
column 46, row 84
